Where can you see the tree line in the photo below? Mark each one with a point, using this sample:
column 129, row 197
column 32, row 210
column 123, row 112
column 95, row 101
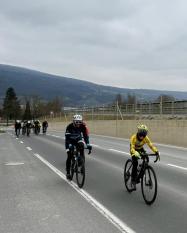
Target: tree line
column 32, row 108
column 133, row 99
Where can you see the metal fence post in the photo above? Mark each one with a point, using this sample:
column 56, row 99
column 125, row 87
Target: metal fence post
column 116, row 118
column 161, row 105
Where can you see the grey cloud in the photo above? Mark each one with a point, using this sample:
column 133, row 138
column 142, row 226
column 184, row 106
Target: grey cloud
column 134, row 41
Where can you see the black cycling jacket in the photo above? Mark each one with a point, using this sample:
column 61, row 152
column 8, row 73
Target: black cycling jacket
column 72, row 129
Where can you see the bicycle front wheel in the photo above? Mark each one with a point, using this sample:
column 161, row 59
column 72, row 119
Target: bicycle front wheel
column 149, row 185
column 80, row 173
column 73, row 168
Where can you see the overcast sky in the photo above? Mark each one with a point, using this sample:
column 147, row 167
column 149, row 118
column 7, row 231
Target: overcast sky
column 124, row 43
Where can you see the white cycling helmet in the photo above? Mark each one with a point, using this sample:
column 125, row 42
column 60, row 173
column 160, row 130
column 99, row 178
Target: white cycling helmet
column 77, row 119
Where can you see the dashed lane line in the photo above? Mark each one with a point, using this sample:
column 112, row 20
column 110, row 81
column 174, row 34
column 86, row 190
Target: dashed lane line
column 95, row 145
column 28, row 148
column 119, row 151
column 179, row 167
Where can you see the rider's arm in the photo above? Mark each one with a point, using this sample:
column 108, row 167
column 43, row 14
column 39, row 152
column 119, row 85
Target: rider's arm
column 149, row 143
column 86, row 134
column 132, row 145
column 68, row 131
column 67, row 134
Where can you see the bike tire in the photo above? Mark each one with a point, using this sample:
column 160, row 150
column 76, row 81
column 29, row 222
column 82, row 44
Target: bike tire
column 73, row 168
column 17, row 133
column 149, row 181
column 28, row 132
column 80, row 174
column 127, row 175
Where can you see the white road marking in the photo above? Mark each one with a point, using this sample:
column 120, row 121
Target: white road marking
column 95, row 145
column 21, row 142
column 56, row 136
column 119, row 151
column 173, row 165
column 28, row 148
column 104, row 136
column 98, row 206
column 13, row 163
column 171, row 146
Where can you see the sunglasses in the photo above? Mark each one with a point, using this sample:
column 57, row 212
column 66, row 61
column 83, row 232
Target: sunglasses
column 142, row 135
column 78, row 122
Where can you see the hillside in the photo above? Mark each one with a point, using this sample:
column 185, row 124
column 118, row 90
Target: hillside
column 74, row 92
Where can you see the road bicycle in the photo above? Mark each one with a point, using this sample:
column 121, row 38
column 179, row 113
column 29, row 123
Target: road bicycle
column 78, row 162
column 36, row 129
column 17, row 132
column 28, row 131
column 23, row 130
column 146, row 175
column 44, row 129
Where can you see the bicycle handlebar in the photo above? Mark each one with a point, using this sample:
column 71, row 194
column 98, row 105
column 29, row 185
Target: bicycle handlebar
column 149, row 155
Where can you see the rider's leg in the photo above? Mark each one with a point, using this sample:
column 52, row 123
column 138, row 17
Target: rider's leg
column 134, row 168
column 68, row 162
column 69, row 156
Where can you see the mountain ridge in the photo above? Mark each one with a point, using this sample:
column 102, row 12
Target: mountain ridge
column 28, row 82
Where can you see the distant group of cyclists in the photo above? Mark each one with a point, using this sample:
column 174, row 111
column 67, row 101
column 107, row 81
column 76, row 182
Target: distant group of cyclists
column 25, row 127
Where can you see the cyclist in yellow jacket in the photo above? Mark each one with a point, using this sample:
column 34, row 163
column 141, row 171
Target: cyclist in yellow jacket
column 137, row 142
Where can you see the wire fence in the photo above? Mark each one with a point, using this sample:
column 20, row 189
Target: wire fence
column 173, row 109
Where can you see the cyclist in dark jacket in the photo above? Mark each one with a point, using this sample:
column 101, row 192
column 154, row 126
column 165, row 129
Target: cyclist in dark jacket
column 77, row 127
column 28, row 127
column 44, row 126
column 37, row 126
column 17, row 127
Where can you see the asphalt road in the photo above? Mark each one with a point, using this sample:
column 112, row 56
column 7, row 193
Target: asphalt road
column 63, row 209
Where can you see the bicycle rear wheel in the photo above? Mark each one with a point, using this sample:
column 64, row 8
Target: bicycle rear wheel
column 80, row 172
column 127, row 175
column 149, row 185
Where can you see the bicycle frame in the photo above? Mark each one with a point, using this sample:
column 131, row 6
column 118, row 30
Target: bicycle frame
column 143, row 165
column 75, row 152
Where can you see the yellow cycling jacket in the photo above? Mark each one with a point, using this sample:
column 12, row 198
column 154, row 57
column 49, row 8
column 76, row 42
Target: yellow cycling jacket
column 135, row 144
